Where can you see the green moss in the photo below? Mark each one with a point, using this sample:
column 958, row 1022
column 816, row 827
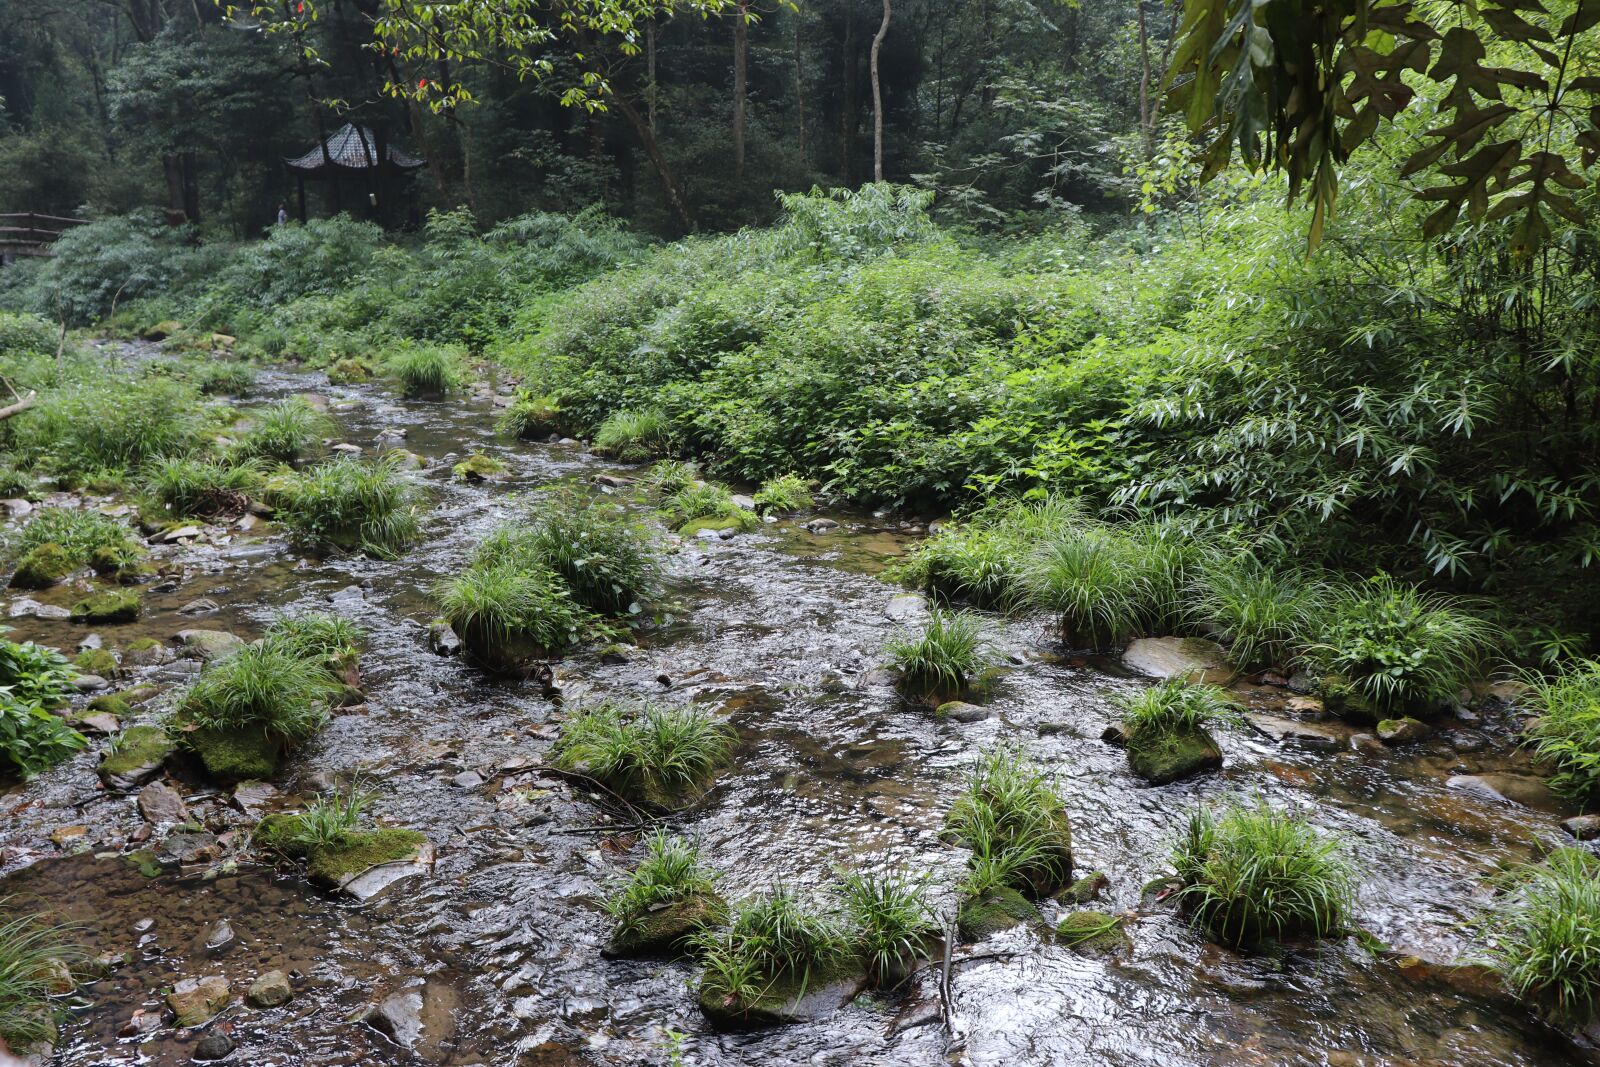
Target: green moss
column 96, row 661
column 1092, row 932
column 144, row 861
column 1084, row 889
column 665, row 931
column 779, row 1002
column 142, row 644
column 112, row 703
column 478, row 468
column 331, row 864
column 349, row 371
column 999, row 909
column 1344, row 700
column 236, row 755
column 136, row 747
column 42, row 567
column 125, row 562
column 118, row 605
column 278, row 832
column 1162, row 756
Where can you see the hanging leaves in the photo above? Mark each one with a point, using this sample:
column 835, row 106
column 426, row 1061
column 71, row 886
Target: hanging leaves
column 1298, row 86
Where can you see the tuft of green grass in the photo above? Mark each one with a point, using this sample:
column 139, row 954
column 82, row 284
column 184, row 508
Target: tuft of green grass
column 330, row 820
column 1255, row 875
column 531, row 417
column 31, row 955
column 79, row 532
column 315, row 634
column 352, row 504
column 263, row 688
column 634, row 436
column 1175, row 706
column 669, row 476
column 783, row 494
column 660, row 755
column 426, row 371
column 611, row 564
column 202, row 488
column 223, row 377
column 499, row 607
column 283, row 433
column 1566, row 733
column 1084, row 578
column 1015, row 821
column 670, row 875
column 948, row 653
column 1399, row 648
column 775, row 937
column 1543, row 935
column 984, row 560
column 893, row 923
column 705, row 501
column 1259, row 612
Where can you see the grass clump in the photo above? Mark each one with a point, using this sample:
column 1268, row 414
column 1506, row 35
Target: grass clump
column 1396, row 647
column 661, row 757
column 352, row 505
column 223, row 378
column 634, row 436
column 426, row 371
column 1566, row 733
column 705, row 505
column 668, row 899
column 783, row 494
column 610, row 563
column 1543, row 936
column 1014, row 820
column 203, row 488
column 507, row 614
column 984, row 560
column 1259, row 612
column 79, row 533
column 1254, row 875
column 283, row 433
column 34, row 957
column 265, row 688
column 1166, row 729
column 938, row 663
column 893, row 922
column 669, row 476
column 531, row 417
column 777, row 946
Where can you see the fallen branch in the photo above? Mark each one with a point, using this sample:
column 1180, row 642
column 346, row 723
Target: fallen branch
column 23, row 403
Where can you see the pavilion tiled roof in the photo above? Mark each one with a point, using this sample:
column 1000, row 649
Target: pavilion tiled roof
column 352, row 148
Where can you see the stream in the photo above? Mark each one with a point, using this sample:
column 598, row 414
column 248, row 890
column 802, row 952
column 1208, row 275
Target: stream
column 781, row 628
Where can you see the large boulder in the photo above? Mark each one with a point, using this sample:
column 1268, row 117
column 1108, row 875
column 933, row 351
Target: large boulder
column 208, row 645
column 1193, row 659
column 1163, row 756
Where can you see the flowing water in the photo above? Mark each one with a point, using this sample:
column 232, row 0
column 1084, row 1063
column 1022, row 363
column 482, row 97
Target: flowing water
column 781, row 628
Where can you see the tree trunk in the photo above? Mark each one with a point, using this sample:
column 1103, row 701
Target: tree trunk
column 650, row 60
column 652, row 149
column 800, row 96
column 877, row 97
column 22, row 404
column 852, row 104
column 172, row 169
column 1146, row 120
column 741, row 53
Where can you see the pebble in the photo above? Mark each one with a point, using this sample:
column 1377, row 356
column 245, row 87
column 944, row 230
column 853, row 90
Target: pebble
column 467, row 780
column 213, row 1046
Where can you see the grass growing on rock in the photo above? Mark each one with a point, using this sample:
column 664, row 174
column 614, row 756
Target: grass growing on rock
column 285, row 432
column 661, row 757
column 667, row 899
column 634, row 436
column 1166, row 729
column 426, row 371
column 352, row 504
column 1543, row 935
column 33, row 957
column 507, row 614
column 531, row 417
column 939, row 662
column 190, row 487
column 777, row 945
column 1015, row 822
column 1566, row 733
column 1254, row 875
column 893, row 922
column 610, row 563
column 783, row 494
column 705, row 505
column 262, row 688
column 58, row 541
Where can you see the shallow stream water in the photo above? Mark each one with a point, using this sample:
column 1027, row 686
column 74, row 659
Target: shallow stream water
column 782, row 628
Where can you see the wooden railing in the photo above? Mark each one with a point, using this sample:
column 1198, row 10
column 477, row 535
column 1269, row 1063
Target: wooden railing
column 28, row 233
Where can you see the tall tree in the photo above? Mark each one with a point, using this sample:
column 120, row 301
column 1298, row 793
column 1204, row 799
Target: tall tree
column 877, row 96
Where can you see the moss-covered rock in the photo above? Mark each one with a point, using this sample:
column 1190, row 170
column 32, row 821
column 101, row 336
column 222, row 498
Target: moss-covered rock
column 1162, row 756
column 45, row 565
column 162, row 330
column 1343, row 700
column 1085, row 889
column 534, row 418
column 664, row 932
column 1000, row 909
column 349, row 372
column 135, row 756
column 126, row 562
column 1093, row 932
column 1403, row 731
column 785, row 999
column 110, row 704
column 278, row 832
column 117, row 605
column 96, row 661
column 478, row 468
column 236, row 755
column 333, row 865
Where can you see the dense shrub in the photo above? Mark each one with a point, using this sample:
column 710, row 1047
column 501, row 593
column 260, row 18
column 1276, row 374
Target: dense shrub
column 1566, row 732
column 202, row 487
column 284, row 432
column 32, row 738
column 1543, row 935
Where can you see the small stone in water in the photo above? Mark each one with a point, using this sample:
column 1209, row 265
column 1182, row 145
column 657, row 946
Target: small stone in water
column 201, row 606
column 161, row 804
column 1582, row 827
column 214, row 1046
column 220, row 935
column 467, row 780
column 270, row 990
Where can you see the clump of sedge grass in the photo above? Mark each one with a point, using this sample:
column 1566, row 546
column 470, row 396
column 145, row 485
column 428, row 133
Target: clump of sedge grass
column 673, row 874
column 506, row 612
column 531, row 417
column 1255, row 875
column 32, row 955
column 785, row 493
column 983, row 560
column 709, row 502
column 1259, row 612
column 610, row 563
column 661, row 756
column 893, row 923
column 330, row 820
column 264, row 688
column 426, row 371
column 1566, row 733
column 669, row 476
column 775, row 939
column 942, row 659
column 352, row 504
column 315, row 634
column 1175, row 706
column 202, row 488
column 1543, row 936
column 1014, row 820
column 284, row 432
column 634, row 436
column 79, row 533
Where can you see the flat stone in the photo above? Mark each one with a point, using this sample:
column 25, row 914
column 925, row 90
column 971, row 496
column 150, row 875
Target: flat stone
column 32, row 609
column 269, row 990
column 160, row 803
column 350, row 594
column 90, row 683
column 210, row 644
column 198, row 1000
column 181, row 533
column 202, row 606
column 421, row 1019
column 1316, row 734
column 907, row 606
column 15, row 507
column 1368, row 744
column 743, row 502
column 374, row 880
column 1193, row 659
column 1520, row 789
column 467, row 780
column 443, row 640
column 98, row 722
column 612, row 481
column 220, row 936
column 67, row 836
column 961, row 711
column 90, row 641
column 822, row 525
column 187, row 847
column 1583, row 827
column 346, row 448
column 252, row 797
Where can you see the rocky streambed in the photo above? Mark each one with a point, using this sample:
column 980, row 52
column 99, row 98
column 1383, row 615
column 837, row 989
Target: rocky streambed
column 488, row 951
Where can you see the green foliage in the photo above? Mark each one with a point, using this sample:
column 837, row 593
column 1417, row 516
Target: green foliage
column 31, row 955
column 111, row 260
column 1014, row 820
column 783, row 494
column 223, row 378
column 846, row 224
column 267, row 689
column 194, row 487
column 661, row 755
column 892, row 920
column 79, row 532
column 774, row 937
column 673, row 873
column 610, row 563
column 531, row 417
column 948, row 653
column 634, row 436
column 107, row 422
column 284, row 432
column 704, row 500
column 1175, row 706
column 1260, row 612
column 426, row 371
column 34, row 674
column 352, row 504
column 1543, row 935
column 670, row 477
column 315, row 634
column 33, row 739
column 1255, row 875
column 1566, row 732
column 496, row 605
column 329, row 821
column 984, row 559
column 1398, row 647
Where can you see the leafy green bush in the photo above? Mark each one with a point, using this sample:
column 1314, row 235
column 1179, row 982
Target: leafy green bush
column 265, row 689
column 1543, row 935
column 1566, row 732
column 110, row 260
column 33, row 739
column 1014, row 820
column 34, row 674
column 663, row 757
column 107, row 423
column 785, row 493
column 201, row 488
column 611, row 564
column 1255, row 875
column 1398, row 647
column 426, row 371
column 352, row 504
column 284, row 432
column 634, row 436
column 940, row 661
